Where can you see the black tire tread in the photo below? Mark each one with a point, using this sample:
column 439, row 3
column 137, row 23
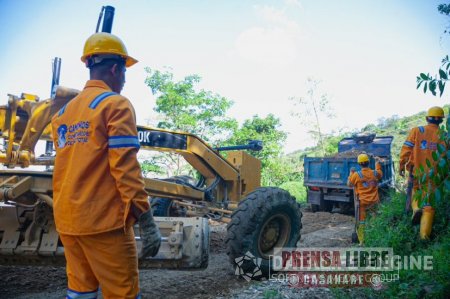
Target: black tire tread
column 251, row 211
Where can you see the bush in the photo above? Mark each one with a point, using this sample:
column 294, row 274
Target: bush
column 296, row 189
column 391, row 227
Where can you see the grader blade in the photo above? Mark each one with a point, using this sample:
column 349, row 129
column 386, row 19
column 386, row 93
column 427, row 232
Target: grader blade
column 185, row 244
column 28, row 237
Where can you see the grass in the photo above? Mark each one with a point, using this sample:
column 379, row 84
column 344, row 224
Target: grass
column 391, row 227
column 271, row 294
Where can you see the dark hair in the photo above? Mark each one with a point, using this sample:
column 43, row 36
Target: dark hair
column 364, row 164
column 434, row 120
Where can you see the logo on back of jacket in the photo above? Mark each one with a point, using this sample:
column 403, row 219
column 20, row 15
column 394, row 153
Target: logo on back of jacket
column 369, row 183
column 70, row 135
column 428, row 145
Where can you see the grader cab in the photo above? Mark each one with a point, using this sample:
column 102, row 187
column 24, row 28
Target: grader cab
column 259, row 220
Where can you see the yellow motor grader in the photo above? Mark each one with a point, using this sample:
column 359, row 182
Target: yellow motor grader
column 259, row 219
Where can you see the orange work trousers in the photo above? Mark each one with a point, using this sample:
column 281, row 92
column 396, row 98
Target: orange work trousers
column 108, row 260
column 363, row 207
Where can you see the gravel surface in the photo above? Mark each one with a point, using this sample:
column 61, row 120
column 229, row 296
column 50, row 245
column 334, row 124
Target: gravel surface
column 217, row 281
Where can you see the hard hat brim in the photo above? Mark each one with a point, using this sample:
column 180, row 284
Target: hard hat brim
column 130, row 61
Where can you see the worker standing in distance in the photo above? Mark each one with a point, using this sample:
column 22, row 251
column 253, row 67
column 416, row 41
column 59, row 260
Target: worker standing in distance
column 365, row 182
column 421, row 142
column 97, row 181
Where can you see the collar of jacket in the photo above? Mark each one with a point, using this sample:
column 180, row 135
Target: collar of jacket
column 97, row 83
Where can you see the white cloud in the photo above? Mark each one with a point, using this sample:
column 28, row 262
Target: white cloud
column 266, row 46
column 274, row 43
column 277, row 17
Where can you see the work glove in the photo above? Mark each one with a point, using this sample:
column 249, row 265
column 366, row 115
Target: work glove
column 150, row 235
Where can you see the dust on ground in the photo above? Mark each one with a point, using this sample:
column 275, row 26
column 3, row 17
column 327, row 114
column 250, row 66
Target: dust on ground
column 320, row 229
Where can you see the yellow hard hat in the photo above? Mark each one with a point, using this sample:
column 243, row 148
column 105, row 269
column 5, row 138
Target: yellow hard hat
column 106, row 43
column 363, row 158
column 435, row 112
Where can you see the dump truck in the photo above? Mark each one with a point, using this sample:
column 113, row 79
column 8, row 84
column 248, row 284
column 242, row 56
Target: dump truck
column 260, row 220
column 325, row 178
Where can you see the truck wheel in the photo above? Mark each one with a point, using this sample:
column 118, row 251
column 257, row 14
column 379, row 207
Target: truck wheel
column 265, row 219
column 315, row 208
column 325, row 206
column 164, row 207
column 355, row 239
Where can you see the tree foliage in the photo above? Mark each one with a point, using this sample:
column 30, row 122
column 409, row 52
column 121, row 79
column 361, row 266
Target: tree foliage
column 183, row 108
column 435, row 83
column 445, row 10
column 268, row 131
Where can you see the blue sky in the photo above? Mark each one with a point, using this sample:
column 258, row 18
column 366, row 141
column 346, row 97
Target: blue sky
column 256, row 53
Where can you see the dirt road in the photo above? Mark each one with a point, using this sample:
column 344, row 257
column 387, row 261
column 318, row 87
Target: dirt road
column 217, row 281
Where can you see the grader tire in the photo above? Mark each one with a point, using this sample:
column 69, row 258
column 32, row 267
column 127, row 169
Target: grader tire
column 162, row 207
column 267, row 218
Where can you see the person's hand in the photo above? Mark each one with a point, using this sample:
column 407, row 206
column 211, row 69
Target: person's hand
column 352, row 170
column 150, row 235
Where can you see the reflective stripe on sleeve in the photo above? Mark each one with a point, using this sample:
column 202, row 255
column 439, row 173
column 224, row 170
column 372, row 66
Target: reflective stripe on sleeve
column 100, row 98
column 123, row 141
column 421, row 129
column 360, row 174
column 61, row 111
column 409, row 144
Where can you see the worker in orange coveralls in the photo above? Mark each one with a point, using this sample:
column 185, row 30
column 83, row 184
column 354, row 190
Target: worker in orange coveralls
column 365, row 182
column 98, row 186
column 421, row 142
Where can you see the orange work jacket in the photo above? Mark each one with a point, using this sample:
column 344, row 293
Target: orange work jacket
column 419, row 145
column 365, row 182
column 96, row 177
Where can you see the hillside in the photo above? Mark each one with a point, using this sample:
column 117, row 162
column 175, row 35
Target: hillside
column 393, row 126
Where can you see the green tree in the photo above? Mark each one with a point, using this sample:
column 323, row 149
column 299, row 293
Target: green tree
column 311, row 110
column 268, row 130
column 181, row 107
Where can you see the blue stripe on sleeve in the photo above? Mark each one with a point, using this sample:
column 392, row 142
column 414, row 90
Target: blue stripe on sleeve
column 100, row 98
column 61, row 111
column 409, row 144
column 123, row 141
